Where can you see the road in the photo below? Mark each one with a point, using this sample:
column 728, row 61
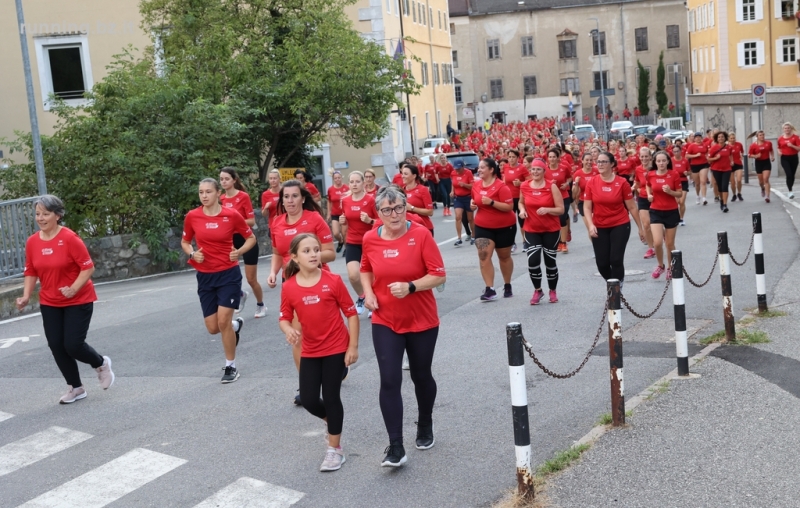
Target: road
column 169, row 434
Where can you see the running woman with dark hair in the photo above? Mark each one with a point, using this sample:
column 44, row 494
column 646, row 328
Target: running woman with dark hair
column 514, row 174
column 418, row 196
column 738, row 167
column 462, row 190
column 696, row 152
column 335, row 194
column 681, row 166
column 663, row 192
column 562, row 177
column 762, row 153
column 789, row 146
column 643, row 204
column 721, row 159
column 305, row 179
column 358, row 213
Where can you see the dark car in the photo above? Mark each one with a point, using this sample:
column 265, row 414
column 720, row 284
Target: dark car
column 470, row 159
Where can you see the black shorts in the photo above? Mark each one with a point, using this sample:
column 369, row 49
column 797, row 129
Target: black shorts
column 669, row 218
column 642, row 203
column 737, row 167
column 580, row 207
column 334, row 218
column 219, row 289
column 685, row 185
column 502, row 237
column 250, row 257
column 629, row 179
column 761, row 166
column 697, row 168
column 352, row 253
column 564, row 217
column 462, row 202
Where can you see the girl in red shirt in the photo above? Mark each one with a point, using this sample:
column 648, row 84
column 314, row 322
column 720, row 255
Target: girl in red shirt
column 236, row 197
column 789, row 146
column 513, row 176
column 369, row 183
column 640, row 187
column 495, row 226
column 462, row 190
column 219, row 280
column 563, row 180
column 663, row 192
column 681, row 166
column 358, row 213
column 59, row 260
column 305, row 179
column 417, row 195
column 270, row 197
column 335, row 194
column 541, row 205
column 763, row 155
column 696, row 155
column 443, row 170
column 738, row 167
column 721, row 159
column 319, row 298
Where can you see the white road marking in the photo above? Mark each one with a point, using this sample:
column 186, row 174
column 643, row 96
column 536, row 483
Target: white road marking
column 447, row 241
column 251, row 493
column 5, row 416
column 20, row 318
column 109, row 482
column 6, row 343
column 38, row 446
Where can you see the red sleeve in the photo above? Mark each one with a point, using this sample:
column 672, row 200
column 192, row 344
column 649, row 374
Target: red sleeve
column 504, row 195
column 188, row 230
column 248, row 206
column 322, row 230
column 287, row 311
column 344, row 298
column 240, row 226
column 30, row 271
column 432, row 256
column 627, row 191
column 264, row 199
column 79, row 253
column 366, row 266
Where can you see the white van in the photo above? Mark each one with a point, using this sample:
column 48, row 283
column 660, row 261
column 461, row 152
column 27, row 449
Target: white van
column 430, row 144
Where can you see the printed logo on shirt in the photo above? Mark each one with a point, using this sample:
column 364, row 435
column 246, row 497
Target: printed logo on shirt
column 87, row 262
column 229, row 205
column 47, row 252
column 660, row 180
column 304, row 223
column 325, row 288
column 290, row 232
column 606, row 189
column 212, row 225
column 412, row 241
column 355, row 208
column 60, row 243
column 224, row 219
column 311, row 300
column 391, row 253
column 483, row 193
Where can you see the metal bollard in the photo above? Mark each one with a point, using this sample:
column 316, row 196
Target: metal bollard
column 727, row 289
column 615, row 353
column 679, row 305
column 758, row 251
column 519, row 410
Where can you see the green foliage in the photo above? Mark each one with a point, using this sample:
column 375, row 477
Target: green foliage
column 661, row 95
column 643, row 89
column 562, row 460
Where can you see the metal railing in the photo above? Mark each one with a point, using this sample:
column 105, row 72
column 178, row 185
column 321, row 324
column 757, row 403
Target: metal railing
column 17, row 223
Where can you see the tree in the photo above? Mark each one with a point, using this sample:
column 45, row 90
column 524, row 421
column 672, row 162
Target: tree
column 661, row 96
column 644, row 89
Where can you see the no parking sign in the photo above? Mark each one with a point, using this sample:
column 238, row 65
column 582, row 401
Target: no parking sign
column 759, row 91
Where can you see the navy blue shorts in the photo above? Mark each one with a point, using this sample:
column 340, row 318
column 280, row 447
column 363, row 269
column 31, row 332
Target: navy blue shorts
column 462, row 202
column 219, row 289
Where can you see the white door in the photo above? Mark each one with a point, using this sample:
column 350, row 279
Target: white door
column 738, row 125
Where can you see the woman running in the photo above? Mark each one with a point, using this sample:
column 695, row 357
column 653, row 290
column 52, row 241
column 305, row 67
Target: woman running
column 607, row 203
column 335, row 194
column 514, row 174
column 580, row 179
column 626, row 165
column 444, row 169
column 541, row 206
column 304, row 178
column 736, row 182
column 319, row 298
column 559, row 175
column 721, row 159
column 462, row 190
column 681, row 166
column 400, row 266
column 358, row 215
column 64, row 270
column 219, row 280
column 270, row 197
column 663, row 192
column 696, row 151
column 235, row 197
column 640, row 186
column 417, row 195
column 369, row 183
column 495, row 226
column 762, row 153
column 788, row 146
column 430, row 177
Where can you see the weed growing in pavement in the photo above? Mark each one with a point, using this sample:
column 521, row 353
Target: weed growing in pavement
column 751, row 337
column 746, row 321
column 717, row 337
column 658, row 389
column 562, row 460
column 607, row 419
column 769, row 314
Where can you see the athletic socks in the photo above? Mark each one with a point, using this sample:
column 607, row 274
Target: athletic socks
column 235, row 324
column 230, row 363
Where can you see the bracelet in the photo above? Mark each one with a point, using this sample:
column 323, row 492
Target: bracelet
column 191, row 255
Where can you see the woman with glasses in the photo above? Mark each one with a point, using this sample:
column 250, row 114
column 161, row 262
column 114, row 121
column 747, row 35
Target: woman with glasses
column 400, row 265
column 370, row 187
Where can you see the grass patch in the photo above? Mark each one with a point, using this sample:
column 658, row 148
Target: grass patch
column 717, row 337
column 660, row 388
column 561, row 460
column 769, row 314
column 607, row 419
column 751, row 337
column 746, row 321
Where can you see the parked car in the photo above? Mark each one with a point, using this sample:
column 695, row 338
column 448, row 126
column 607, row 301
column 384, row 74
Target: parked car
column 584, row 132
column 430, row 144
column 648, row 131
column 677, row 134
column 621, row 129
column 470, row 159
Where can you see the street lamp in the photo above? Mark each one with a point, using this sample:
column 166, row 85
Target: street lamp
column 596, row 36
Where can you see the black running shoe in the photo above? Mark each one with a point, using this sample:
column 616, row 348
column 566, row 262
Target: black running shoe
column 725, row 209
column 339, row 246
column 489, row 295
column 231, row 375
column 345, row 372
column 740, row 197
column 733, row 198
column 241, row 324
column 424, row 436
column 297, row 399
column 395, row 454
column 507, row 293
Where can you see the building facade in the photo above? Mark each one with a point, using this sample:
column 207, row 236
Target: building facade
column 515, row 59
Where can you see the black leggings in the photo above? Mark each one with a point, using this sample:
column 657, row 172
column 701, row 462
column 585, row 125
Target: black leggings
column 66, row 329
column 723, row 179
column 389, row 347
column 325, row 372
column 445, row 187
column 609, row 250
column 789, row 165
column 520, row 220
column 536, row 244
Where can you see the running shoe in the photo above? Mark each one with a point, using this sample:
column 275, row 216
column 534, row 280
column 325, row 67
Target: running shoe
column 360, row 305
column 650, row 254
column 472, row 241
column 72, row 395
column 261, row 311
column 574, row 218
column 458, row 243
column 682, row 222
column 791, row 195
column 766, row 199
column 242, row 299
column 297, row 398
column 345, row 372
column 697, row 200
column 733, row 198
column 395, row 454
column 231, row 374
column 725, row 208
column 105, row 375
column 569, row 235
column 537, row 296
column 716, row 199
column 507, row 293
column 241, row 324
column 705, row 201
column 739, row 196
column 657, row 272
column 721, row 205
column 514, row 248
column 553, row 296
column 489, row 295
column 406, row 365
column 339, row 246
column 435, row 206
column 369, row 315
column 424, row 436
column 334, row 458
column 763, row 192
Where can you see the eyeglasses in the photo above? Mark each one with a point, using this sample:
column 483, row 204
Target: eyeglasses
column 386, row 212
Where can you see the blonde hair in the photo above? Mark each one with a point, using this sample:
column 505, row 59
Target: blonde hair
column 356, row 172
column 790, row 126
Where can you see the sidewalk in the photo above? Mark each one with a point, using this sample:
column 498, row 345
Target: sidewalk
column 726, row 439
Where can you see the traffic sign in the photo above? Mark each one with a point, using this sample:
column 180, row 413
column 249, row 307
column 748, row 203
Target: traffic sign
column 759, row 91
column 570, row 105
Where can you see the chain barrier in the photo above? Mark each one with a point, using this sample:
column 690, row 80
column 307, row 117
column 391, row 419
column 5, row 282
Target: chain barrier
column 658, row 306
column 528, row 348
column 711, row 273
column 749, row 251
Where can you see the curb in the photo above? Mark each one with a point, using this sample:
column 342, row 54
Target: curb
column 785, row 198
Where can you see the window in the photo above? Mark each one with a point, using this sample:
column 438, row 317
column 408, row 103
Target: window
column 430, row 16
column 711, row 13
column 440, row 19
column 389, row 6
column 414, row 11
column 690, row 21
column 452, row 28
column 458, row 94
column 599, row 44
column 568, row 49
column 493, row 49
column 406, row 8
column 747, row 12
column 702, row 60
column 496, row 87
column 786, row 50
column 64, row 68
column 410, row 68
column 570, row 85
column 649, row 72
column 436, row 74
column 786, row 9
column 598, row 84
column 713, row 54
column 424, row 73
column 455, row 59
column 694, row 60
column 750, row 53
column 529, row 85
column 641, row 39
column 673, row 36
column 527, row 45
column 422, row 14
column 672, row 69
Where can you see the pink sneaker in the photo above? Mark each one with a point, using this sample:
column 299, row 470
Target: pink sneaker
column 104, row 374
column 649, row 254
column 657, row 272
column 74, row 394
column 553, row 296
column 537, row 297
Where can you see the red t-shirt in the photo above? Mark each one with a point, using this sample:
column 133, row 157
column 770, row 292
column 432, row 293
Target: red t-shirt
column 214, row 234
column 625, row 167
column 420, row 197
column 518, row 172
column 641, row 178
column 373, row 192
column 408, row 258
column 270, row 197
column 240, row 202
column 535, row 199
column 57, row 263
column 783, row 144
column 736, row 150
column 661, row 200
column 608, row 201
column 319, row 309
column 352, row 211
column 680, row 167
column 282, row 233
column 444, row 170
column 430, row 171
column 761, row 150
column 581, row 179
column 487, row 216
column 724, row 161
column 398, row 179
column 559, row 176
column 312, row 189
column 335, row 196
column 464, row 177
column 695, row 148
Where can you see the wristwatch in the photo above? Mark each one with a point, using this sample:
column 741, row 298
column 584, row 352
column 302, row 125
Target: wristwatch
column 492, row 203
column 411, row 287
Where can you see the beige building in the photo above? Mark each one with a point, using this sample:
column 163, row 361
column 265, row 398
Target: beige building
column 517, row 58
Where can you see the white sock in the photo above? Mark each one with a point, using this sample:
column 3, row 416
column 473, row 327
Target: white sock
column 235, row 324
column 230, row 363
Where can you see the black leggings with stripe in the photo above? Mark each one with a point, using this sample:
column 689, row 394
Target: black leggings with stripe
column 535, row 245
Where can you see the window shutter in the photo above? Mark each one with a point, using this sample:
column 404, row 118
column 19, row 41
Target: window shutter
column 563, row 87
column 779, row 51
column 711, row 13
column 760, row 52
column 777, row 5
column 797, row 48
column 760, row 9
column 739, row 17
column 694, row 64
column 740, row 54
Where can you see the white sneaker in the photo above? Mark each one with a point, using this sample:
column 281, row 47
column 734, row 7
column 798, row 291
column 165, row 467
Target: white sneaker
column 334, row 458
column 369, row 315
column 791, row 195
column 261, row 311
column 360, row 306
column 241, row 301
column 104, row 374
column 697, row 200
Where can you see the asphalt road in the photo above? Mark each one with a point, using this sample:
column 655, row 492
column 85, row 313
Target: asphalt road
column 169, row 434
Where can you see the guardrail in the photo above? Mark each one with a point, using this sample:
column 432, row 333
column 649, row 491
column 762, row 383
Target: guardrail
column 17, row 223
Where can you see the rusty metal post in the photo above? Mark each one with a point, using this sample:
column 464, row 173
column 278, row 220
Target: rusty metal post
column 727, row 289
column 519, row 410
column 758, row 252
column 615, row 353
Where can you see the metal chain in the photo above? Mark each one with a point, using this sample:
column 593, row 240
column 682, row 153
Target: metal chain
column 750, row 250
column 658, row 306
column 692, row 282
column 549, row 372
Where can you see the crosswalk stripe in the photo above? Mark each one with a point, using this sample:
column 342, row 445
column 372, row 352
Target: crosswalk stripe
column 5, row 416
column 108, row 482
column 251, row 493
column 37, row 446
